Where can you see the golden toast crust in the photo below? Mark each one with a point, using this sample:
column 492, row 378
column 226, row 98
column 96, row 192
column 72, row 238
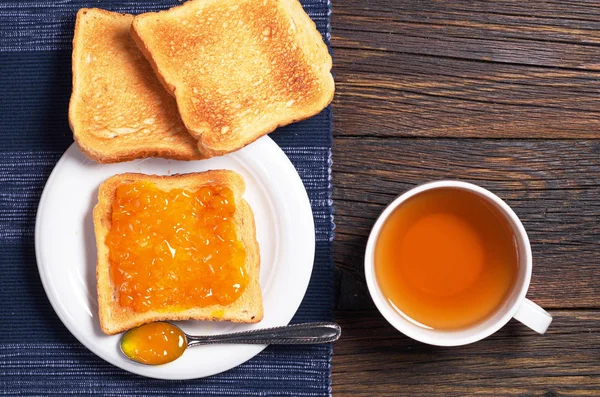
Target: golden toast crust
column 247, row 308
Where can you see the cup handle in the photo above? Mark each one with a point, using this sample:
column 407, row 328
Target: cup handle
column 533, row 316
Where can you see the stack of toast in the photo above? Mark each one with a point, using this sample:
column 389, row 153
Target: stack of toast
column 199, row 80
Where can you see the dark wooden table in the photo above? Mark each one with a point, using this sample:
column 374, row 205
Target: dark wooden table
column 505, row 94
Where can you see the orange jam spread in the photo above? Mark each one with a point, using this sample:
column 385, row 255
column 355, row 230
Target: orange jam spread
column 175, row 249
column 154, row 343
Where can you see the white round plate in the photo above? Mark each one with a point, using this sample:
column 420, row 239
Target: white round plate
column 66, row 250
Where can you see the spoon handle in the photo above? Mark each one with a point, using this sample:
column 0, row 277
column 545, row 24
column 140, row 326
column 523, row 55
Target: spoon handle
column 296, row 334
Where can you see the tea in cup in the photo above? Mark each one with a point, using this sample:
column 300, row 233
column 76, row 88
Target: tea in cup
column 449, row 263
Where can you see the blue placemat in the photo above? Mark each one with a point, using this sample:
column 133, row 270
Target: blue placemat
column 38, row 356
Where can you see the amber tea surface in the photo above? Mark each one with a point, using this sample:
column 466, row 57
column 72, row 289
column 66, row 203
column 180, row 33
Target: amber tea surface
column 446, row 259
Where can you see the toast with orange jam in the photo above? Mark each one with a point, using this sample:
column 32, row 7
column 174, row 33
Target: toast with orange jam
column 175, row 248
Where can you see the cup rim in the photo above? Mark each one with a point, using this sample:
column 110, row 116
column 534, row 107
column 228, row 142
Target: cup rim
column 416, row 332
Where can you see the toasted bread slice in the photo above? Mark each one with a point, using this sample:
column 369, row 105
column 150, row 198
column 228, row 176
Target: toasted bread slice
column 119, row 111
column 238, row 68
column 247, row 308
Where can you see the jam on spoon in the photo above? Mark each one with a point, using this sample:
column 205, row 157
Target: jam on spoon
column 161, row 342
column 154, row 343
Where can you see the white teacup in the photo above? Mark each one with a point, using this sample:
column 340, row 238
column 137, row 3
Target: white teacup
column 515, row 305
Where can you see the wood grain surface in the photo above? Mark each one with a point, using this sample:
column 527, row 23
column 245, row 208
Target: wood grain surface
column 374, row 360
column 527, row 69
column 504, row 94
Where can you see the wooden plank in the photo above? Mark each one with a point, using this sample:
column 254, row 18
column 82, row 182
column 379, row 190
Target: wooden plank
column 553, row 186
column 467, row 69
column 475, row 30
column 372, row 358
column 395, row 94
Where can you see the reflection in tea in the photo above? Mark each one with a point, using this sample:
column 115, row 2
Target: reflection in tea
column 446, row 259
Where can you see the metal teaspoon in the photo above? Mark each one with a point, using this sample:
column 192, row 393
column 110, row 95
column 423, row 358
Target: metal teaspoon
column 162, row 342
